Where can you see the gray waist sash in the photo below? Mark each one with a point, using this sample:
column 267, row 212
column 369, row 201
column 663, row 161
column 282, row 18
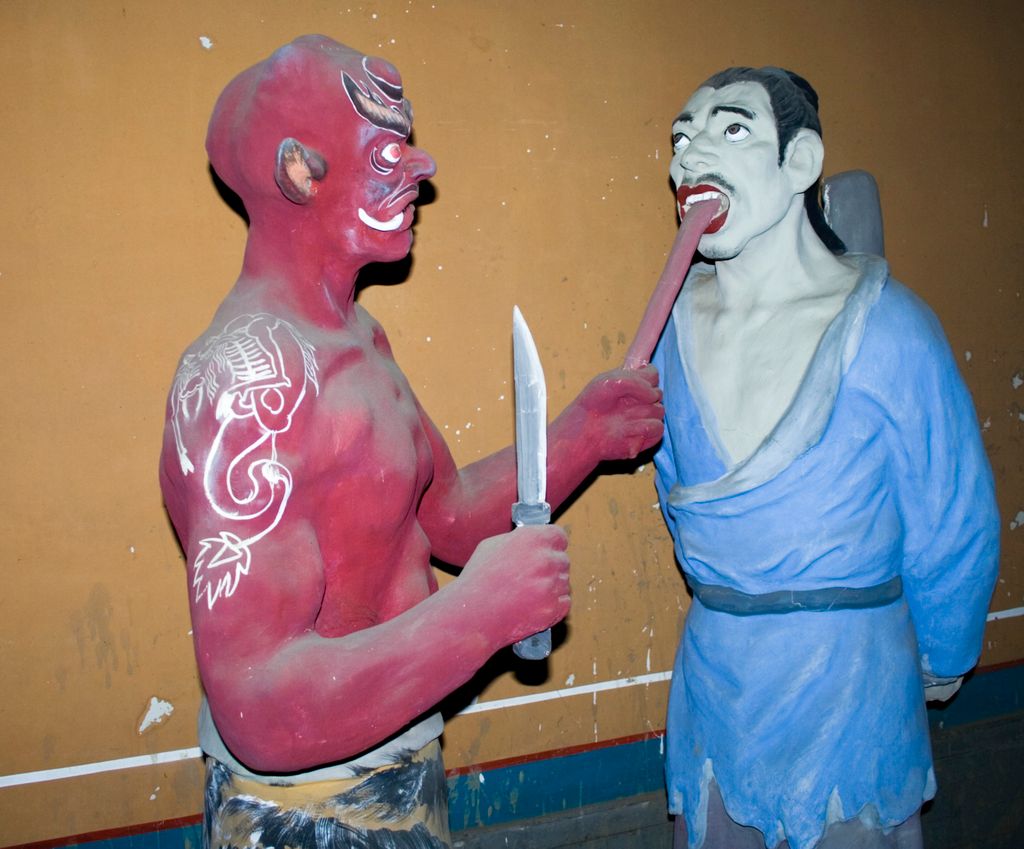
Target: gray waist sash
column 728, row 600
column 392, row 750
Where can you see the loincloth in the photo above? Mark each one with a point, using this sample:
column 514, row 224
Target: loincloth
column 402, row 805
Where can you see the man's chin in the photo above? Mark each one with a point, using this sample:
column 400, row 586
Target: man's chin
column 718, row 252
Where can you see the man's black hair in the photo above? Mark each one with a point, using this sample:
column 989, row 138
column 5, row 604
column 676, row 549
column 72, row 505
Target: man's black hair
column 795, row 106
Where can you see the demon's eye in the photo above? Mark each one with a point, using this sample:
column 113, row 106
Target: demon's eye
column 679, row 141
column 392, row 153
column 736, row 132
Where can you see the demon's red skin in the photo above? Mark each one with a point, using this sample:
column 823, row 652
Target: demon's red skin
column 338, row 636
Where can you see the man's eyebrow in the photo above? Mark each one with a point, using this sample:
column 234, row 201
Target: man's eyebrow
column 737, row 110
column 687, row 117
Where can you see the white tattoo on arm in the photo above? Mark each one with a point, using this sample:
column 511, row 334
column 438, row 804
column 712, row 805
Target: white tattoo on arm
column 255, row 374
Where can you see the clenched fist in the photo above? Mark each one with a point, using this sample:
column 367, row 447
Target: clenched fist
column 523, row 578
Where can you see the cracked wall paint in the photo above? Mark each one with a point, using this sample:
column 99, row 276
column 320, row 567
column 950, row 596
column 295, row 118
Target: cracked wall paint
column 156, row 713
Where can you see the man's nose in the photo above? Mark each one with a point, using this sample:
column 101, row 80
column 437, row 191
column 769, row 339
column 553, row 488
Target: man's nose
column 699, row 154
column 420, row 165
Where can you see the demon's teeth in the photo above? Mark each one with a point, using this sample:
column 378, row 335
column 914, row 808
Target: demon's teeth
column 376, row 224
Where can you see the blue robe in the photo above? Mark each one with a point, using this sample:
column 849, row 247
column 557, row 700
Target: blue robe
column 876, row 470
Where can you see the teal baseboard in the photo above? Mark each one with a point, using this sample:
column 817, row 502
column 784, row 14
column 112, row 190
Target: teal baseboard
column 985, row 694
column 551, row 785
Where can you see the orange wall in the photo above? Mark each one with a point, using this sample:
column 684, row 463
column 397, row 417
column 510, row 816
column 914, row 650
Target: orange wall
column 550, row 124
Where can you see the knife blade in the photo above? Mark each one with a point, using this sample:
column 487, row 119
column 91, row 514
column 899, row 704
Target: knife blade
column 531, row 454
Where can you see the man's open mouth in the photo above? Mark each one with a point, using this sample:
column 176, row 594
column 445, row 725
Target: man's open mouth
column 687, row 196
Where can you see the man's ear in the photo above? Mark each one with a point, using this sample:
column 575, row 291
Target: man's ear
column 805, row 155
column 298, row 169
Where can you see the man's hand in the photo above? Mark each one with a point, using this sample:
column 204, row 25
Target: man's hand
column 940, row 689
column 523, row 579
column 617, row 415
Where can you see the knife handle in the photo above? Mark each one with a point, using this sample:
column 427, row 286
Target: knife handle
column 538, row 646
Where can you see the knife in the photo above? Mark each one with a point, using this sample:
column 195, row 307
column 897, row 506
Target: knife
column 531, row 454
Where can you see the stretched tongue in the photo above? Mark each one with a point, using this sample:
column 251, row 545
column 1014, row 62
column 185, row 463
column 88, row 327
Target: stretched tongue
column 719, row 217
column 695, row 222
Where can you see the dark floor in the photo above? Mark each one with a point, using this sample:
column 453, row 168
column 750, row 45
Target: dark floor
column 980, row 770
column 980, row 805
column 636, row 823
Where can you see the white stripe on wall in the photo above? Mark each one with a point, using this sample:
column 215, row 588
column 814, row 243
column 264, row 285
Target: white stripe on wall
column 548, row 695
column 186, row 754
column 1004, row 614
column 101, row 766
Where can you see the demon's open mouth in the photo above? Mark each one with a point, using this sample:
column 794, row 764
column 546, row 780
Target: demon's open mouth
column 406, row 193
column 392, row 223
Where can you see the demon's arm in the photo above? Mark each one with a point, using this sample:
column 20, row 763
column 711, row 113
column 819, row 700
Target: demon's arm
column 617, row 416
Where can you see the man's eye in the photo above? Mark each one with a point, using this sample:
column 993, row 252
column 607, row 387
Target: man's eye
column 679, row 141
column 392, row 153
column 736, row 132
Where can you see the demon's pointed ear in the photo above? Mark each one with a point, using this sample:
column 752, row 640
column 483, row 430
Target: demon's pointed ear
column 298, row 169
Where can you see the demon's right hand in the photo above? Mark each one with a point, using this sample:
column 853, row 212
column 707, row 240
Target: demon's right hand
column 522, row 578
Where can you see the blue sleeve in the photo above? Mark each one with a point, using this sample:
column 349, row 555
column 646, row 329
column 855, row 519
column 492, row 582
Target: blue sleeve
column 945, row 491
